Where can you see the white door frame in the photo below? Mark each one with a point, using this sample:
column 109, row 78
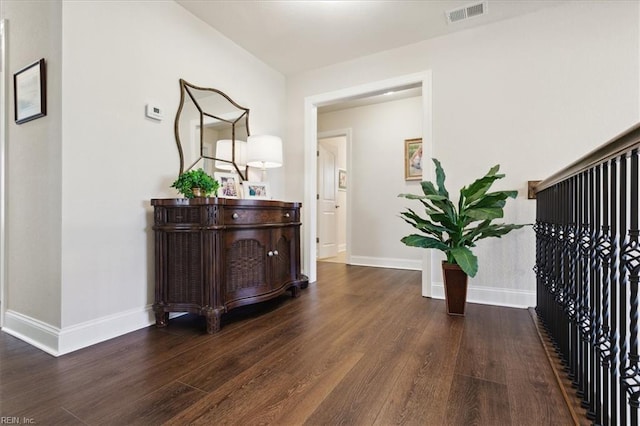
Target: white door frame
column 347, row 135
column 311, row 104
column 3, row 163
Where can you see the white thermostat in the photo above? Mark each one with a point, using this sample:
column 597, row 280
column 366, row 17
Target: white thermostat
column 154, row 112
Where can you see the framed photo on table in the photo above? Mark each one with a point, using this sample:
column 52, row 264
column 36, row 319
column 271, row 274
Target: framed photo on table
column 256, row 190
column 413, row 159
column 30, row 92
column 229, row 185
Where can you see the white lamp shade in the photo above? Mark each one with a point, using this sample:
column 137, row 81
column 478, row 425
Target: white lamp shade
column 223, row 152
column 264, row 151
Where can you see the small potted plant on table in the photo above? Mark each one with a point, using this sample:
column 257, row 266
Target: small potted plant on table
column 195, row 183
column 454, row 230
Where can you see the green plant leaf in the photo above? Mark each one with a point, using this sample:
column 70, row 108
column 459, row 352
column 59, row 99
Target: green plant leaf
column 428, row 188
column 418, row 223
column 479, row 187
column 493, row 199
column 485, row 213
column 444, row 220
column 440, row 177
column 490, row 206
column 467, row 261
column 438, row 200
column 497, row 230
column 422, row 224
column 422, row 197
column 415, row 240
column 472, row 232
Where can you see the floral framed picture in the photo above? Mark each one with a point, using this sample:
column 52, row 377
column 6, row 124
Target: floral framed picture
column 256, row 190
column 413, row 159
column 342, row 179
column 229, row 185
column 30, row 92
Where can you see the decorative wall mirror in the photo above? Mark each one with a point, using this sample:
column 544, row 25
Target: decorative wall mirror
column 211, row 128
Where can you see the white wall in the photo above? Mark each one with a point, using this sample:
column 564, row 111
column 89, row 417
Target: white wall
column 531, row 93
column 116, row 57
column 33, row 175
column 377, row 177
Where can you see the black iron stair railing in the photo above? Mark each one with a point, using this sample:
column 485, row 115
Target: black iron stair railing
column 588, row 272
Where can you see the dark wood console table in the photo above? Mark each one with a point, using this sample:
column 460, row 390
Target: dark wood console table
column 215, row 254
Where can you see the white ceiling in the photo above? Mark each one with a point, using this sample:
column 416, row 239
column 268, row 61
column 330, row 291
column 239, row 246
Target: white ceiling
column 297, row 35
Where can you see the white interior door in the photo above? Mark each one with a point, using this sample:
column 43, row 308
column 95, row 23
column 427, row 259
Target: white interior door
column 327, row 204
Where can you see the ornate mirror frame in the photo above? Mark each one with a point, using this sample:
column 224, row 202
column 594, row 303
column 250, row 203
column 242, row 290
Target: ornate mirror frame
column 235, row 117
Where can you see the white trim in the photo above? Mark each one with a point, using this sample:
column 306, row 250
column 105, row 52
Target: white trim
column 427, row 172
column 492, row 296
column 3, row 166
column 56, row 341
column 347, row 134
column 35, row 332
column 386, row 262
column 311, row 104
column 98, row 330
column 310, row 213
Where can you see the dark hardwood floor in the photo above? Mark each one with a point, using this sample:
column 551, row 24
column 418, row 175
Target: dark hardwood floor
column 359, row 347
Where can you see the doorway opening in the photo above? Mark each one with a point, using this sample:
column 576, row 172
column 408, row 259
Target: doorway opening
column 312, row 103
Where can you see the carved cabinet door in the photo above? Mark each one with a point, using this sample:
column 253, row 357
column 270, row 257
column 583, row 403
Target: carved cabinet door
column 245, row 260
column 281, row 265
column 257, row 262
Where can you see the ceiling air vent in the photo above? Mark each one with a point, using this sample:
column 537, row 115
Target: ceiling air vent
column 466, row 12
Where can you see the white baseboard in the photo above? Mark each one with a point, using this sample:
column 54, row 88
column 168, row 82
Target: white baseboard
column 35, row 332
column 95, row 331
column 383, row 262
column 56, row 341
column 492, row 296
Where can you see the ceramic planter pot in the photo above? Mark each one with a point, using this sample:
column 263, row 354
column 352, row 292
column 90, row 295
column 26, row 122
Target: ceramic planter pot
column 455, row 288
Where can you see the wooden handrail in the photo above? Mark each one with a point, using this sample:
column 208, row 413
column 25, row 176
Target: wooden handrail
column 624, row 142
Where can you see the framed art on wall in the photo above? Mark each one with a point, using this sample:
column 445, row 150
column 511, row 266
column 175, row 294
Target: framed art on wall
column 342, row 179
column 256, row 190
column 30, row 92
column 229, row 185
column 413, row 159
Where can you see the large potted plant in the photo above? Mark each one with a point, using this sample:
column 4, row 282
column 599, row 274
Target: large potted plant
column 195, row 183
column 455, row 230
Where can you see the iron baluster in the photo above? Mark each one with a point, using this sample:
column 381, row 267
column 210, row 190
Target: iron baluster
column 622, row 291
column 631, row 262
